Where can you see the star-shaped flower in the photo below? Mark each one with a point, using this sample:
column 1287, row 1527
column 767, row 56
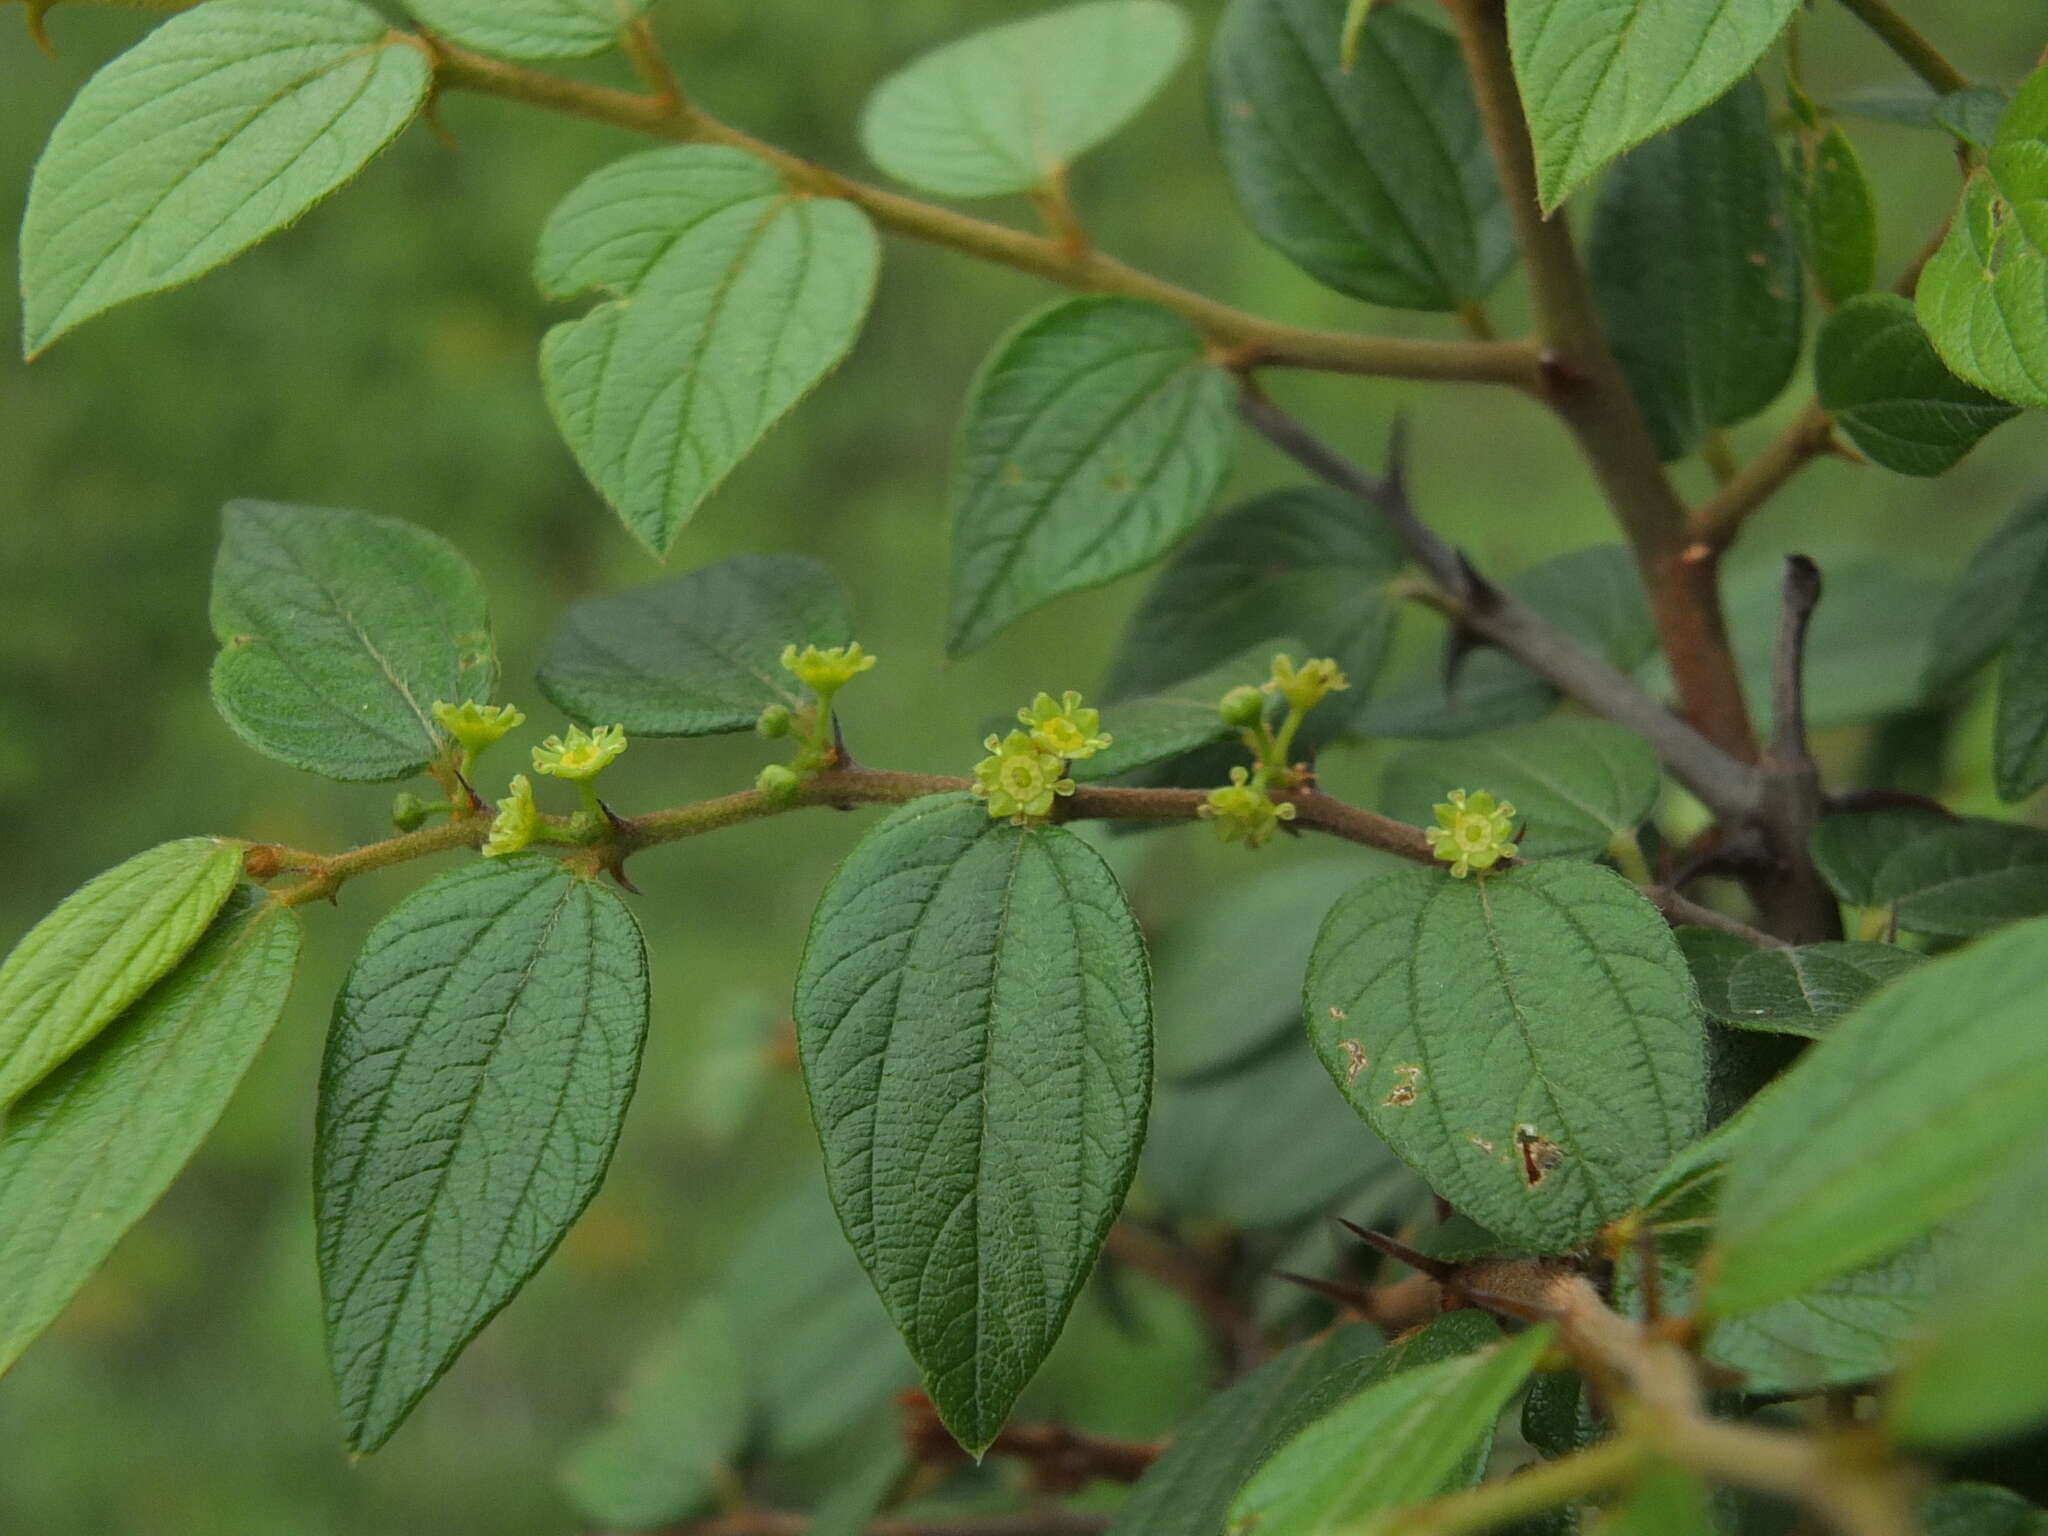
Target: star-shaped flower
column 1019, row 778
column 1472, row 832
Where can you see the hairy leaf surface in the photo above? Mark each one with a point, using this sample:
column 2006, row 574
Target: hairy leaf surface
column 483, row 1050
column 1801, row 991
column 222, row 126
column 975, row 1026
column 1886, row 386
column 530, row 29
column 1529, row 1041
column 339, row 631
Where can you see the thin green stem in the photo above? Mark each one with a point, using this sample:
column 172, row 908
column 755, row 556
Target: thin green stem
column 1913, row 50
column 1547, row 1485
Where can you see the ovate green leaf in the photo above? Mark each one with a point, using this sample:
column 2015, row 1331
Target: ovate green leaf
column 1801, row 991
column 1413, row 1432
column 1980, row 1509
column 1906, row 1113
column 1529, row 1040
column 695, row 654
column 90, row 1149
column 729, row 296
column 1695, row 268
column 975, row 1027
column 1850, row 847
column 530, row 29
column 1600, row 76
column 105, row 945
column 1097, row 434
column 1009, row 109
column 339, row 631
column 219, row 128
column 1304, row 562
column 1972, row 114
column 1576, row 785
column 1664, row 1501
column 483, row 1050
column 2019, row 751
column 1188, row 1490
column 1885, row 385
column 1837, row 219
column 1965, row 877
column 1983, row 605
column 1373, row 175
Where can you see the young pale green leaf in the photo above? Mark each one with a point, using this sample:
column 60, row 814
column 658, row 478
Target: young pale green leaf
column 1227, row 974
column 1984, row 603
column 219, row 128
column 1850, row 847
column 1304, row 562
column 1664, row 1501
column 1258, row 1145
column 1983, row 297
column 88, row 1151
column 1529, row 1041
column 2019, row 748
column 1188, row 1490
column 674, row 1437
column 1009, row 109
column 1177, row 719
column 483, row 1050
column 1372, row 174
column 1420, row 1428
column 1096, row 436
column 729, row 297
column 1802, row 991
column 976, row 1032
column 339, row 631
column 106, row 944
column 1903, row 1116
column 1980, row 1509
column 1974, row 1372
column 1965, row 877
column 1704, row 311
column 1837, row 219
column 1578, row 786
column 1599, row 77
column 696, row 654
column 1886, row 386
column 530, row 29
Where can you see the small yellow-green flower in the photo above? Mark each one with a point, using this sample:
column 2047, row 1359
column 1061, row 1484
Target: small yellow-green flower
column 1063, row 727
column 1472, row 832
column 1244, row 812
column 517, row 821
column 1019, row 778
column 1308, row 685
column 827, row 671
column 477, row 726
column 580, row 755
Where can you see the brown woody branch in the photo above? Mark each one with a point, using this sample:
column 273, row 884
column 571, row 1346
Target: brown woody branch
column 1060, row 1459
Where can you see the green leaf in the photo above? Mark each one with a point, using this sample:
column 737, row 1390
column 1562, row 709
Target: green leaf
column 1262, row 1144
column 107, row 943
column 1304, row 562
column 1966, row 877
column 1009, row 109
column 1983, row 297
column 1188, row 1490
column 1663, row 1501
column 1900, row 1118
column 483, row 1050
column 1980, row 1509
column 1096, row 437
column 1162, row 726
column 696, row 654
column 339, row 631
column 1529, row 1041
column 1411, row 1433
column 1850, row 847
column 90, row 1149
column 219, row 128
column 530, row 29
column 1972, row 114
column 728, row 296
column 1598, row 78
column 1974, row 1373
column 1802, row 991
column 2019, row 752
column 1227, row 976
column 1883, row 382
column 1578, row 786
column 975, row 1026
column 675, row 1435
column 1558, row 1415
column 1704, row 312
column 1984, row 604
column 1374, row 175
column 1711, row 956
column 1837, row 219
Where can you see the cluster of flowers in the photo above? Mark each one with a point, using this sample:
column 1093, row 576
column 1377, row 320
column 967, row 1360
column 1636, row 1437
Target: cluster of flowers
column 1027, row 769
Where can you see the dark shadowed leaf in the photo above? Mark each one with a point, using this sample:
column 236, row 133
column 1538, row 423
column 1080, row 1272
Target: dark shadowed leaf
column 1984, row 603
column 1837, row 218
column 1965, row 877
column 1887, row 387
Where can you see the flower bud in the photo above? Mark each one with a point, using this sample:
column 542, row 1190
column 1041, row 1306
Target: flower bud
column 777, row 781
column 1242, row 707
column 408, row 811
column 776, row 720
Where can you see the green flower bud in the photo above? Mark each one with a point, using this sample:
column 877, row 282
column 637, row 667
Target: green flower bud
column 1242, row 707
column 776, row 720
column 408, row 811
column 777, row 781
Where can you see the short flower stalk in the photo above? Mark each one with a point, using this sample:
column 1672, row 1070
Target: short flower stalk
column 1245, row 810
column 824, row 672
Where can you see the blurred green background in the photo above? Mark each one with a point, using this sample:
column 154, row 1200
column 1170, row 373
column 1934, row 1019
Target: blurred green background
column 380, row 356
